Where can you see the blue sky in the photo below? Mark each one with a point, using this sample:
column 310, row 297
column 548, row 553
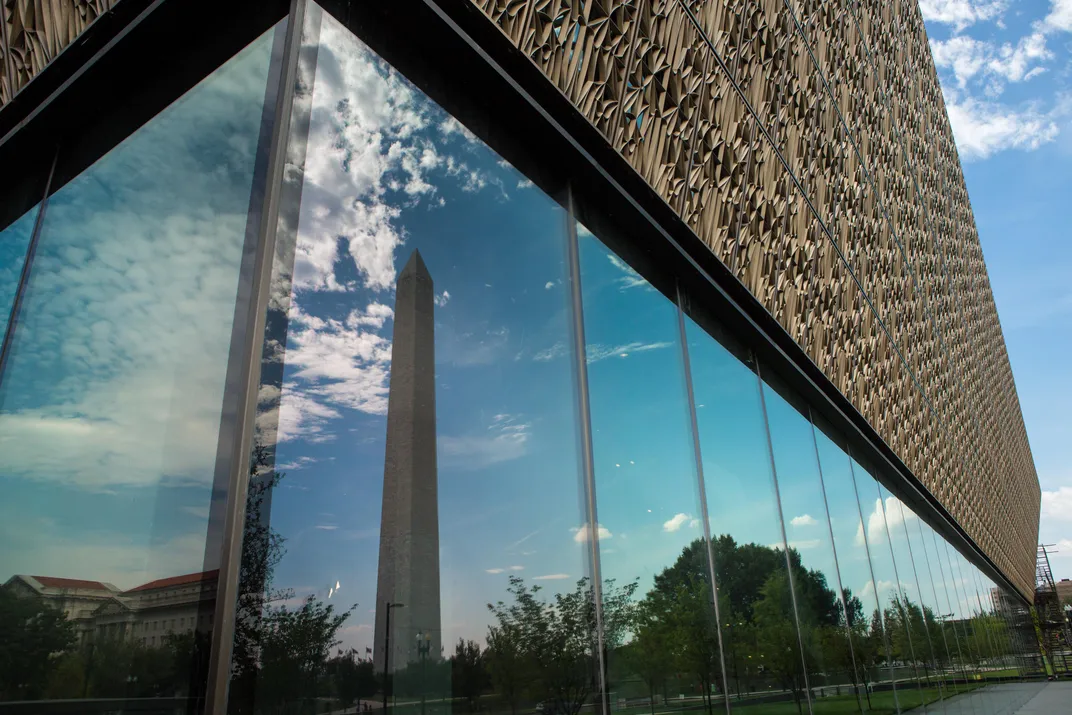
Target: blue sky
column 1006, row 72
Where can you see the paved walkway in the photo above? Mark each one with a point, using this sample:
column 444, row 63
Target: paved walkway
column 1039, row 698
column 1053, row 699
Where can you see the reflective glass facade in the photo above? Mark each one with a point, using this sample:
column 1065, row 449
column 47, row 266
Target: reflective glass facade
column 496, row 459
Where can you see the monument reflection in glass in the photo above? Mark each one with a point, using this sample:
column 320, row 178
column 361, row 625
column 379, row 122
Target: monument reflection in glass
column 409, row 527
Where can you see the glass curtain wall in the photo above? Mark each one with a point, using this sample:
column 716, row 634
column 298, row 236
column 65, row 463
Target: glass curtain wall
column 111, row 397
column 822, row 620
column 417, row 515
column 757, row 621
column 910, row 614
column 659, row 625
column 870, row 648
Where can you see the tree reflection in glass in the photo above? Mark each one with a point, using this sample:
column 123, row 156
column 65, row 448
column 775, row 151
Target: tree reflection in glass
column 822, row 606
column 870, row 648
column 649, row 531
column 761, row 646
column 911, row 614
column 897, row 613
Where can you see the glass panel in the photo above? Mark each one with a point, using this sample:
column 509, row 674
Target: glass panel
column 945, row 671
column 653, row 557
column 764, row 668
column 821, row 616
column 957, row 622
column 111, row 402
column 14, row 242
column 416, row 506
column 952, row 631
column 869, row 647
column 910, row 611
column 902, row 661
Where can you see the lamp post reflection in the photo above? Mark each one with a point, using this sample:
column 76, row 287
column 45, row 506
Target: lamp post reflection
column 388, row 607
column 424, row 644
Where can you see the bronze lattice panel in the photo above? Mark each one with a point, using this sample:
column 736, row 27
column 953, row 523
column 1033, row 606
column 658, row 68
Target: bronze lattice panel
column 35, row 31
column 808, row 145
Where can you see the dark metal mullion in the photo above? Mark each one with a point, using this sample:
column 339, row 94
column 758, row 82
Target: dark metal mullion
column 781, row 526
column 900, row 588
column 231, row 551
column 24, row 275
column 934, row 589
column 704, row 512
column 874, row 582
column 919, row 593
column 833, row 549
column 584, row 419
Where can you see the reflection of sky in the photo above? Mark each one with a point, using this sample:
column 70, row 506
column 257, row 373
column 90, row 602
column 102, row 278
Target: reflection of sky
column 389, row 172
column 800, row 488
column 110, row 406
column 845, row 522
column 733, row 444
column 646, row 489
column 14, row 240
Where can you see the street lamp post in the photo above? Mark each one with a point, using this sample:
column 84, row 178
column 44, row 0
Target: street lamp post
column 424, row 644
column 387, row 648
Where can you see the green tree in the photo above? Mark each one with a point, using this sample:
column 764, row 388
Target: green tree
column 468, row 673
column 507, row 662
column 295, row 644
column 557, row 640
column 648, row 654
column 777, row 635
column 33, row 636
column 354, row 678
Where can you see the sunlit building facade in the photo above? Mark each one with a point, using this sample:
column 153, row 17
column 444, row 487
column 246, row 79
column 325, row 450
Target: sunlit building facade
column 447, row 356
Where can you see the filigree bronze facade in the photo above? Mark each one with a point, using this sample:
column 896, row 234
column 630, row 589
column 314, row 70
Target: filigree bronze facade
column 35, row 31
column 808, row 145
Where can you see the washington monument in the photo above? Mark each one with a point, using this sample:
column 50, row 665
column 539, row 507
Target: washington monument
column 409, row 522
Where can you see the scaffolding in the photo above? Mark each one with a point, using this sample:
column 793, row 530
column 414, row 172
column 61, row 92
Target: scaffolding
column 1052, row 626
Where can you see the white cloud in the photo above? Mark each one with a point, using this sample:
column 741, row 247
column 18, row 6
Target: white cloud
column 884, row 587
column 548, row 285
column 46, row 548
column 971, row 59
column 597, row 351
column 495, row 570
column 984, row 128
column 679, row 520
column 551, row 577
column 555, row 351
column 505, row 439
column 803, row 520
column 119, row 372
column 580, row 534
column 1060, row 17
column 877, row 521
column 631, row 279
column 1057, row 505
column 961, row 13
